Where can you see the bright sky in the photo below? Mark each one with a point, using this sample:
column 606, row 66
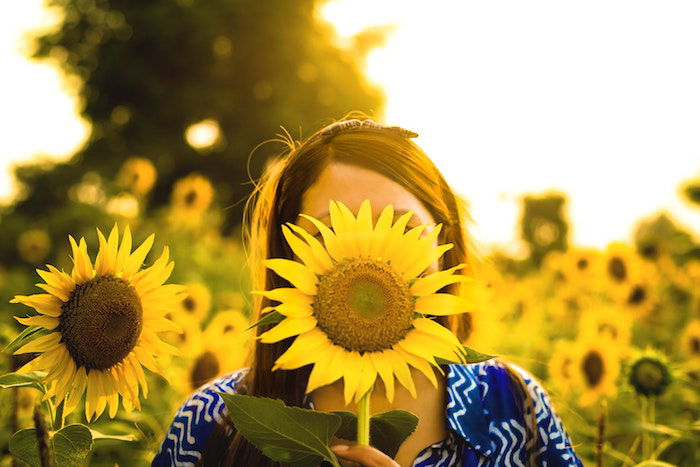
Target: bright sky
column 599, row 99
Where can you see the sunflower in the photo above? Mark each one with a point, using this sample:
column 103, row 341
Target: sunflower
column 222, row 347
column 620, row 264
column 596, row 366
column 102, row 321
column 137, row 175
column 33, row 245
column 649, row 374
column 192, row 194
column 358, row 306
column 197, row 302
column 560, row 369
column 580, row 266
column 607, row 322
column 690, row 342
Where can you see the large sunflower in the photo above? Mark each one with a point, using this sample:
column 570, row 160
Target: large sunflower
column 357, row 305
column 103, row 321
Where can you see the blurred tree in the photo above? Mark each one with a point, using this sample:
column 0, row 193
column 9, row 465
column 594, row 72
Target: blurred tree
column 543, row 225
column 192, row 86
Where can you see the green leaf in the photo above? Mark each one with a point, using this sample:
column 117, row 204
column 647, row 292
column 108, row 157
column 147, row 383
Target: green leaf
column 291, row 435
column 72, row 445
column 16, row 380
column 23, row 445
column 96, row 435
column 29, row 334
column 387, row 430
column 273, row 317
column 470, row 356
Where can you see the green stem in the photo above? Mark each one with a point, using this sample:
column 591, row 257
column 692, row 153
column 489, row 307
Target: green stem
column 645, row 431
column 652, row 421
column 363, row 417
column 58, row 424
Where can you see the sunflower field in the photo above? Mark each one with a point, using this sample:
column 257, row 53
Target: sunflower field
column 155, row 200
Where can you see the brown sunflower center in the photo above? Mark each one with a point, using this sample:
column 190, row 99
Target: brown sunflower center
column 617, row 269
column 648, row 376
column 190, row 197
column 582, row 264
column 101, row 322
column 364, row 305
column 637, row 295
column 189, row 304
column 593, row 368
column 205, row 368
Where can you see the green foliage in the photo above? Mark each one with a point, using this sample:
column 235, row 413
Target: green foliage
column 30, row 379
column 388, row 430
column 292, row 435
column 70, row 446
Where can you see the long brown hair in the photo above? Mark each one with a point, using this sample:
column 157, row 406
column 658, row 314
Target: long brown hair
column 277, row 199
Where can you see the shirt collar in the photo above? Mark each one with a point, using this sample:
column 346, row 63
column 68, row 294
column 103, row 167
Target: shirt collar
column 466, row 414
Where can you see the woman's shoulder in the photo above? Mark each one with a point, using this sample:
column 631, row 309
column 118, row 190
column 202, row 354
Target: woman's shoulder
column 195, row 419
column 484, row 407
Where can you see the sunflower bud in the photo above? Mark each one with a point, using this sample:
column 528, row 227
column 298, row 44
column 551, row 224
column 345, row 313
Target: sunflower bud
column 650, row 375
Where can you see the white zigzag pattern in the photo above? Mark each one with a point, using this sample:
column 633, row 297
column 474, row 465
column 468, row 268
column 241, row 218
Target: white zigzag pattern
column 181, row 443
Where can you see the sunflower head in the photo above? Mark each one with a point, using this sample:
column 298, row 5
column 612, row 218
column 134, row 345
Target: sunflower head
column 649, row 374
column 101, row 322
column 360, row 301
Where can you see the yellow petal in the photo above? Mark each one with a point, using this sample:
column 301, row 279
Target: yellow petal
column 47, row 322
column 138, row 371
column 424, row 261
column 351, row 375
column 363, row 228
column 420, row 364
column 288, row 327
column 433, row 282
column 294, row 311
column 297, row 274
column 321, row 373
column 91, row 397
column 393, row 247
column 46, row 304
column 429, row 347
column 124, row 251
column 380, row 233
column 317, row 249
column 135, row 260
column 40, row 344
column 82, row 267
column 55, row 291
column 383, row 366
column 76, row 391
column 330, row 240
column 288, row 295
column 442, row 304
column 162, row 325
column 303, row 251
column 368, row 375
column 401, row 370
column 57, row 279
column 302, row 351
column 436, row 329
column 65, row 381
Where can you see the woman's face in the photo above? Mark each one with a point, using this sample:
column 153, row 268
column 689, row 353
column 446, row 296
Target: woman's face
column 351, row 185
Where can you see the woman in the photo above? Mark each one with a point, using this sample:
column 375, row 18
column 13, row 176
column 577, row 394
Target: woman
column 485, row 414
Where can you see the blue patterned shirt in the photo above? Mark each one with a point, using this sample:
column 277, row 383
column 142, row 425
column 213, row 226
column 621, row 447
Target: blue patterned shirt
column 486, row 428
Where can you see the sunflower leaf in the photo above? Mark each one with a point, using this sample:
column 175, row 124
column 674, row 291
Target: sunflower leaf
column 71, row 445
column 272, row 317
column 18, row 380
column 387, row 430
column 292, row 435
column 28, row 334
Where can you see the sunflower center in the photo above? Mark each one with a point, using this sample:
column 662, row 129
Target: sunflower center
column 205, row 368
column 695, row 345
column 364, row 305
column 101, row 322
column 582, row 264
column 188, row 304
column 648, row 377
column 637, row 295
column 190, row 197
column 617, row 269
column 593, row 368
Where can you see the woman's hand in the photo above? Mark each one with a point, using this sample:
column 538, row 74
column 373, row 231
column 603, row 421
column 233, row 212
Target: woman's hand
column 366, row 456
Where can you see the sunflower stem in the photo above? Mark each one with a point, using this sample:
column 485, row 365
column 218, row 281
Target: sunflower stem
column 363, row 417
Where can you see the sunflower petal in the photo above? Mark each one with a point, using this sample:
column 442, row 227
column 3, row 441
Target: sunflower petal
column 330, row 239
column 383, row 366
column 297, row 274
column 56, row 278
column 124, row 251
column 61, row 294
column 318, row 250
column 288, row 295
column 321, row 373
column 442, row 304
column 135, row 260
column 433, row 282
column 76, row 391
column 380, row 233
column 351, row 376
column 424, row 261
column 436, row 329
column 47, row 322
column 303, row 251
column 401, row 370
column 82, row 266
column 368, row 375
column 302, row 350
column 40, row 344
column 288, row 327
column 46, row 304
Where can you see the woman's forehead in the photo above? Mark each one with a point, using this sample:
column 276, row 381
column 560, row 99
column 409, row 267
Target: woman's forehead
column 351, row 185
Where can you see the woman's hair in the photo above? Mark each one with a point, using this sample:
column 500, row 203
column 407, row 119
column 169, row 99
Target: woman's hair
column 277, row 198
